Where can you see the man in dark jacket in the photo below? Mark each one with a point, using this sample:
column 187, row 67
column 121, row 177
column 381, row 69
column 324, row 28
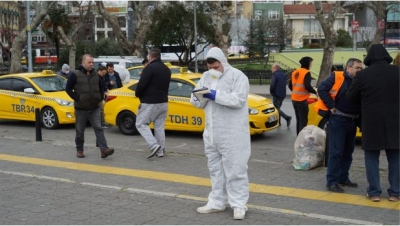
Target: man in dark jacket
column 343, row 120
column 278, row 91
column 152, row 91
column 112, row 78
column 86, row 88
column 377, row 89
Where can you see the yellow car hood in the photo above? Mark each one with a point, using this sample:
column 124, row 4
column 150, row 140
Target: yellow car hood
column 255, row 100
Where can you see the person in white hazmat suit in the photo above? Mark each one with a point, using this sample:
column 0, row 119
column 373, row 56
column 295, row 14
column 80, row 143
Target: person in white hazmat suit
column 226, row 134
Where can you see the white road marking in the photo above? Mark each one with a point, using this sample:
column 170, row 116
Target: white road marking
column 196, row 198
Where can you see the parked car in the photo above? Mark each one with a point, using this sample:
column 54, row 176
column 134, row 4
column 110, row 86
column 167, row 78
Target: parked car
column 137, row 70
column 116, row 61
column 122, row 105
column 22, row 93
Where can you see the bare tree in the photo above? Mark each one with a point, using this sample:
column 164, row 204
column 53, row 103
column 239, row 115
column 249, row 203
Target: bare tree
column 221, row 14
column 113, row 21
column 16, row 51
column 142, row 21
column 84, row 18
column 326, row 21
column 8, row 26
column 380, row 9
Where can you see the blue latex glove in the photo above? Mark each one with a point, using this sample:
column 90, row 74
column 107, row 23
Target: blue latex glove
column 211, row 95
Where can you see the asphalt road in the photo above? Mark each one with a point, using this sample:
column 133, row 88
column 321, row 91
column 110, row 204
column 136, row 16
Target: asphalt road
column 44, row 183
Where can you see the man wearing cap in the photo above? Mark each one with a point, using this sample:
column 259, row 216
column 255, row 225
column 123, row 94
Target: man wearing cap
column 65, row 71
column 300, row 85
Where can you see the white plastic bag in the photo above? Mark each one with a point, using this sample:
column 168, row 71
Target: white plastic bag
column 309, row 148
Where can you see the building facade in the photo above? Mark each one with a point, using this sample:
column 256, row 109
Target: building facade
column 306, row 29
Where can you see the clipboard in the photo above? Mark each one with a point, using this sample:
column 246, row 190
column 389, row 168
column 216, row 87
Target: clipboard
column 198, row 93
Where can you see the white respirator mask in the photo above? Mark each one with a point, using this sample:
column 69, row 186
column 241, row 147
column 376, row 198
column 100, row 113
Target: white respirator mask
column 214, row 73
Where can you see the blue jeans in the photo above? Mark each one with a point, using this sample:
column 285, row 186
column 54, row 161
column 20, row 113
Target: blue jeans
column 277, row 101
column 82, row 116
column 372, row 170
column 341, row 135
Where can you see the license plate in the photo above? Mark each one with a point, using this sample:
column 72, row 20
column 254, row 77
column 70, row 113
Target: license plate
column 272, row 118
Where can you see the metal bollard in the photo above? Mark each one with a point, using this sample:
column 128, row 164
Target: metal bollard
column 38, row 125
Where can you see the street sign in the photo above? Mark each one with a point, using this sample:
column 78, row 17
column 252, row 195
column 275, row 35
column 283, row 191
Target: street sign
column 354, row 26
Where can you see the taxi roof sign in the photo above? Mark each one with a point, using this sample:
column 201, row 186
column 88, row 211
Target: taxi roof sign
column 184, row 70
column 47, row 72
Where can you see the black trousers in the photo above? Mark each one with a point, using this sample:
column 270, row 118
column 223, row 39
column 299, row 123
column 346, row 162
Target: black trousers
column 301, row 111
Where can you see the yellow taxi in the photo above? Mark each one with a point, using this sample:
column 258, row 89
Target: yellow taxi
column 315, row 119
column 122, row 105
column 22, row 93
column 137, row 70
column 237, row 56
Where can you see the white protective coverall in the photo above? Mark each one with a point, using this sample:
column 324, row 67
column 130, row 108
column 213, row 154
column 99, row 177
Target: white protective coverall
column 226, row 134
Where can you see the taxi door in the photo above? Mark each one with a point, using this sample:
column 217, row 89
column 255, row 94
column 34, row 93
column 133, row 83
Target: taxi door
column 181, row 114
column 23, row 104
column 6, row 97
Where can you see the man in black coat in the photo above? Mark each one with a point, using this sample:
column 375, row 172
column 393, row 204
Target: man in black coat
column 377, row 89
column 152, row 91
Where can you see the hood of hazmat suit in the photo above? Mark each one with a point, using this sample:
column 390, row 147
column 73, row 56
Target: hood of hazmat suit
column 226, row 131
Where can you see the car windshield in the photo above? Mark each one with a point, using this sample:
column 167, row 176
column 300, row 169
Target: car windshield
column 50, row 83
column 175, row 70
column 195, row 80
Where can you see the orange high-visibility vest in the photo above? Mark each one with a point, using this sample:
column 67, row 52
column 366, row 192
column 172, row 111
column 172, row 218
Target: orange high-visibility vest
column 299, row 91
column 339, row 79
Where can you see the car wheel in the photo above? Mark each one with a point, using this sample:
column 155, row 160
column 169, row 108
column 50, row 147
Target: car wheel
column 49, row 118
column 127, row 123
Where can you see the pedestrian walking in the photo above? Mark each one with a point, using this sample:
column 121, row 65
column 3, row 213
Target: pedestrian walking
column 377, row 89
column 278, row 91
column 152, row 90
column 226, row 134
column 85, row 87
column 344, row 117
column 300, row 85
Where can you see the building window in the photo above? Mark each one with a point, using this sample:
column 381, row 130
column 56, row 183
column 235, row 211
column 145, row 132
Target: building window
column 122, row 21
column 110, row 35
column 258, row 13
column 340, row 23
column 257, row 17
column 273, row 14
column 100, row 34
column 315, row 26
column 100, row 22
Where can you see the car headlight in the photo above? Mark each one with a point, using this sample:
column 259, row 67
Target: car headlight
column 253, row 111
column 64, row 102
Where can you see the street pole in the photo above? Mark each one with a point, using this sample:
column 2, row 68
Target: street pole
column 28, row 29
column 195, row 39
column 354, row 36
column 309, row 35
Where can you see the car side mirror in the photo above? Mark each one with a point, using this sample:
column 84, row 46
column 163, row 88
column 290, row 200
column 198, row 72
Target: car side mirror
column 29, row 90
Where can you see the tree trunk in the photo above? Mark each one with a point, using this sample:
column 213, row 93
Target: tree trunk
column 113, row 21
column 20, row 40
column 327, row 22
column 221, row 18
column 379, row 9
column 141, row 25
column 71, row 46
